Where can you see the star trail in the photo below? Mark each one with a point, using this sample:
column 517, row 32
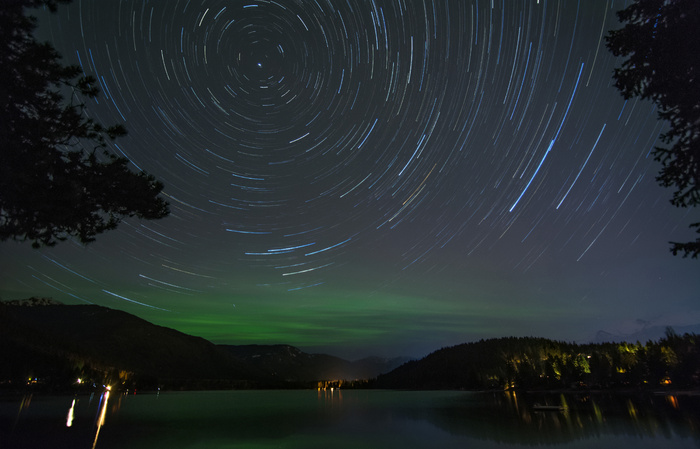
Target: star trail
column 372, row 177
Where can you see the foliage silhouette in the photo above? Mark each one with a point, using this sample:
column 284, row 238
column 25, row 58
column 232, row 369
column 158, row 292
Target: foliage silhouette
column 57, row 177
column 661, row 42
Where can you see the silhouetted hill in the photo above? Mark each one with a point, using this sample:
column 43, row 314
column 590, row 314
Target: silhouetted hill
column 540, row 363
column 61, row 339
column 483, row 364
column 290, row 364
column 59, row 343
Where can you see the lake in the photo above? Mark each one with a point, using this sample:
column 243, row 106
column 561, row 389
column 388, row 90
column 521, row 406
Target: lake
column 348, row 419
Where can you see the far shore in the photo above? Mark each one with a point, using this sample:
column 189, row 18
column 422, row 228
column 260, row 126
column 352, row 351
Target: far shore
column 9, row 391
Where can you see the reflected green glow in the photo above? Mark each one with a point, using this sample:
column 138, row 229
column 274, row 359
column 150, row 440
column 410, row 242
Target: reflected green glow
column 355, row 418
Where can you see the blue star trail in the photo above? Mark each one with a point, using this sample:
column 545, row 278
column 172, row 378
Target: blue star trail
column 372, row 176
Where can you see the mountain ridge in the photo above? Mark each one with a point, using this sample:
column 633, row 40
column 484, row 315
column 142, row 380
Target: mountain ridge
column 42, row 338
column 528, row 363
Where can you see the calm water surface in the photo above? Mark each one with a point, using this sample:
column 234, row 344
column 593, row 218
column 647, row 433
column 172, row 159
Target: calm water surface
column 347, row 419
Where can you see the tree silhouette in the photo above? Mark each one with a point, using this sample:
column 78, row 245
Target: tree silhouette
column 536, row 363
column 57, row 177
column 661, row 41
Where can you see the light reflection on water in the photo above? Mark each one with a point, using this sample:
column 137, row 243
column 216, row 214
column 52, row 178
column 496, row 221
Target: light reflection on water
column 585, row 417
column 71, row 413
column 100, row 421
column 348, row 418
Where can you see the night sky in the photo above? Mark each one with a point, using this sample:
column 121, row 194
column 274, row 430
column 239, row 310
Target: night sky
column 372, row 177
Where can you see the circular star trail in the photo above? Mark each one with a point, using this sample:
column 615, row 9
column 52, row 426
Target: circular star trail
column 354, row 174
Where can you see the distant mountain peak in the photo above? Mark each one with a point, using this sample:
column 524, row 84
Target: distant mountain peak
column 646, row 333
column 33, row 302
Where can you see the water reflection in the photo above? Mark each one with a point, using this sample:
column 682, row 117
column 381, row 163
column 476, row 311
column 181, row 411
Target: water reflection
column 673, row 401
column 583, row 416
column 71, row 414
column 348, row 419
column 23, row 406
column 101, row 417
column 330, row 398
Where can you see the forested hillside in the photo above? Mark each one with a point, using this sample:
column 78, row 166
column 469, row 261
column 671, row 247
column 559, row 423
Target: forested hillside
column 534, row 363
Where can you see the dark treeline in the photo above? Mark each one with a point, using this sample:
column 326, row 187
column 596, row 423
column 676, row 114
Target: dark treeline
column 52, row 347
column 539, row 363
column 48, row 346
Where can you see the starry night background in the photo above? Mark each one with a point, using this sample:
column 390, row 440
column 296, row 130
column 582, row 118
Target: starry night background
column 372, row 177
